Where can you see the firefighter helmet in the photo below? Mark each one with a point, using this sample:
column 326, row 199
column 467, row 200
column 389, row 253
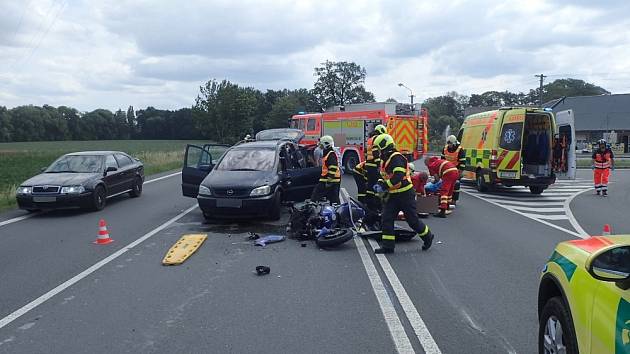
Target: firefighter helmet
column 451, row 139
column 601, row 142
column 412, row 167
column 327, row 141
column 384, row 141
column 380, row 129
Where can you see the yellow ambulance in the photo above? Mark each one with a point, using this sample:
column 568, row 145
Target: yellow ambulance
column 509, row 146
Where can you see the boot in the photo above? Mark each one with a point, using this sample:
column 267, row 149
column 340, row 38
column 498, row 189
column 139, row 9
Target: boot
column 383, row 250
column 604, row 193
column 441, row 214
column 597, row 192
column 427, row 241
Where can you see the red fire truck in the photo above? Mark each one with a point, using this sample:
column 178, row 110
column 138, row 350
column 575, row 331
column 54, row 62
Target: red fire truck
column 351, row 126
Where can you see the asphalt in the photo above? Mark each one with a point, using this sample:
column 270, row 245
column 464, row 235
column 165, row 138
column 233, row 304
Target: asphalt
column 475, row 289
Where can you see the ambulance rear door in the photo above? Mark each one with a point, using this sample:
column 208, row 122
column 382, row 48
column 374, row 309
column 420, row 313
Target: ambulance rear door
column 565, row 129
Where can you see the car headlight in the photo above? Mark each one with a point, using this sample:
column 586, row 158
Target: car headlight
column 72, row 189
column 24, row 190
column 204, row 190
column 264, row 190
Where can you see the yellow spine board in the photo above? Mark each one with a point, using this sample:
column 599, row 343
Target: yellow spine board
column 183, row 248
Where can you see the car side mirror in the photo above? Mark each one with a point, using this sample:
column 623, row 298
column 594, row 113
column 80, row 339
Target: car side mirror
column 110, row 169
column 611, row 264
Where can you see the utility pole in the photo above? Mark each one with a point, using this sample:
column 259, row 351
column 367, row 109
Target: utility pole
column 542, row 77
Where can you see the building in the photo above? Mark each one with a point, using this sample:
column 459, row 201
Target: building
column 597, row 117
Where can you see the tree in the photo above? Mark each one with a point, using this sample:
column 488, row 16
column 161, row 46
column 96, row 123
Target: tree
column 282, row 110
column 131, row 121
column 339, row 83
column 565, row 87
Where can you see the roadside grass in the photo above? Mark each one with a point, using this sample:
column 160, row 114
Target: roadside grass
column 20, row 161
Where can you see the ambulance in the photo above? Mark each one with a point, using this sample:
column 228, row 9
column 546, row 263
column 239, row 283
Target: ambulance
column 511, row 147
column 351, row 125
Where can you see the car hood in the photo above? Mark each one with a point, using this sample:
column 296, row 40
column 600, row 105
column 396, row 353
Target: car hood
column 60, row 179
column 239, row 179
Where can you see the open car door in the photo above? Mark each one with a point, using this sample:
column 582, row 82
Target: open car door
column 300, row 181
column 565, row 129
column 198, row 162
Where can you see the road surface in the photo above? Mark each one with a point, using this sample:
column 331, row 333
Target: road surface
column 474, row 291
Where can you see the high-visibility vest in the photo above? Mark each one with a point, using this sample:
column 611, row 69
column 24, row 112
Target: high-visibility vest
column 332, row 168
column 406, row 183
column 451, row 156
column 360, row 170
column 602, row 159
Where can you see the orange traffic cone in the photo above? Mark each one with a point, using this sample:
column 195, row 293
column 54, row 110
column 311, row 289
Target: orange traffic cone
column 607, row 230
column 103, row 235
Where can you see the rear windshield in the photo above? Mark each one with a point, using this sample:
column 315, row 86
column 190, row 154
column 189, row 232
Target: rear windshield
column 248, row 160
column 511, row 136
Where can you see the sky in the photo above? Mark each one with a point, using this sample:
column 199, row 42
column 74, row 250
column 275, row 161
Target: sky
column 116, row 53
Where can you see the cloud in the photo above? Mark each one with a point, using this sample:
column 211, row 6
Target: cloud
column 116, row 53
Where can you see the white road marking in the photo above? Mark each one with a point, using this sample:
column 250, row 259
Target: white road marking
column 560, row 202
column 548, row 217
column 548, row 210
column 396, row 329
column 24, row 217
column 68, row 283
column 572, row 220
column 419, row 327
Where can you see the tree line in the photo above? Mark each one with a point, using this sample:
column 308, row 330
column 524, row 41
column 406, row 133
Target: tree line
column 225, row 112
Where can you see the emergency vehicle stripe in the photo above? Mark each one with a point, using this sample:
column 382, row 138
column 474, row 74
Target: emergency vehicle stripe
column 491, row 120
column 514, row 160
column 592, row 244
column 501, row 157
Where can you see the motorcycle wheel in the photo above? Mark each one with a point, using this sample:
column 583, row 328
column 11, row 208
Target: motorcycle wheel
column 335, row 238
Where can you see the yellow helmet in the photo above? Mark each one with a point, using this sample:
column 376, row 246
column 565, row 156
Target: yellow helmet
column 380, row 129
column 326, row 141
column 384, row 141
column 451, row 139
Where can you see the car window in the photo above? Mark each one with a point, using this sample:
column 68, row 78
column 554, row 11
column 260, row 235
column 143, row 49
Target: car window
column 511, row 136
column 302, row 125
column 311, row 124
column 110, row 161
column 76, row 164
column 248, row 159
column 616, row 259
column 294, row 124
column 123, row 160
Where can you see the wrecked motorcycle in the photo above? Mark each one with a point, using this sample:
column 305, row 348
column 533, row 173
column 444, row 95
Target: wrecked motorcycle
column 322, row 222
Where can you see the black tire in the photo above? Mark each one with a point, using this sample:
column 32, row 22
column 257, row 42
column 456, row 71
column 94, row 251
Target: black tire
column 536, row 189
column 99, row 198
column 136, row 189
column 350, row 161
column 480, row 182
column 335, row 238
column 31, row 210
column 276, row 207
column 556, row 312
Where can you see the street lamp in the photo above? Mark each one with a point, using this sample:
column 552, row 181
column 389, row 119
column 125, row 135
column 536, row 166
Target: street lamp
column 411, row 95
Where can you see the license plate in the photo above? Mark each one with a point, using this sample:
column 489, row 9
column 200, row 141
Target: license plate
column 508, row 174
column 44, row 199
column 229, row 203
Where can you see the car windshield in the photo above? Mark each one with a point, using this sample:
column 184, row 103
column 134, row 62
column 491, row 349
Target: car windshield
column 248, row 160
column 76, row 164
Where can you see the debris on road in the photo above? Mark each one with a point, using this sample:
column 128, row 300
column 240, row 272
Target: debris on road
column 253, row 236
column 263, row 241
column 303, row 244
column 263, row 270
column 184, row 248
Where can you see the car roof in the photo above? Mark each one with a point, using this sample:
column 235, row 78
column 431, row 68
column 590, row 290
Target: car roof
column 260, row 144
column 96, row 153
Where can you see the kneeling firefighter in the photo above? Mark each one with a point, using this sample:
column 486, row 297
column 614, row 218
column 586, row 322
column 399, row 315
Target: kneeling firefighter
column 446, row 172
column 330, row 178
column 454, row 153
column 359, row 174
column 397, row 182
column 373, row 169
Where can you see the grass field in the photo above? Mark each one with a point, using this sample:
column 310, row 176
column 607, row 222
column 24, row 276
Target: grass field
column 20, row 161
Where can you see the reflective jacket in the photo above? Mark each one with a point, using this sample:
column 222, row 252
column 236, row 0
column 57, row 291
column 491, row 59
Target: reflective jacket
column 441, row 167
column 603, row 159
column 397, row 174
column 457, row 156
column 330, row 168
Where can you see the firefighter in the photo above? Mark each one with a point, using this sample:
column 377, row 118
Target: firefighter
column 603, row 162
column 418, row 179
column 373, row 169
column 330, row 178
column 397, row 182
column 360, row 178
column 446, row 172
column 454, row 153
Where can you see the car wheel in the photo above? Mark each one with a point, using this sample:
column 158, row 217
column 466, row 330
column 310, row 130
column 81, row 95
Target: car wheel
column 276, row 207
column 32, row 210
column 536, row 189
column 136, row 190
column 480, row 182
column 555, row 332
column 99, row 198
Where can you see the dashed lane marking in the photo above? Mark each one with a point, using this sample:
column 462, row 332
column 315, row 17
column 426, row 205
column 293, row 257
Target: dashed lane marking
column 24, row 217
